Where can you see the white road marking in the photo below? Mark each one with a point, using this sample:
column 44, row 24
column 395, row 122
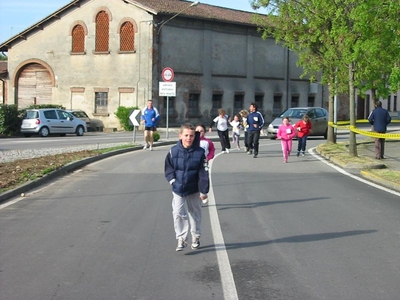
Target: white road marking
column 311, row 151
column 225, row 270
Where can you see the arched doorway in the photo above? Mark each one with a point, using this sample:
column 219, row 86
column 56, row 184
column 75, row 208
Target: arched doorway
column 34, row 85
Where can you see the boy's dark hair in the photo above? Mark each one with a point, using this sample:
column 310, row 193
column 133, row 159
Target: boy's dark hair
column 187, row 126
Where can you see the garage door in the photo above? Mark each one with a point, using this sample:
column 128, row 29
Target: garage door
column 34, row 86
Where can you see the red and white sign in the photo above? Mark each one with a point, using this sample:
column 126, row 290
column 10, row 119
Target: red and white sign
column 167, row 74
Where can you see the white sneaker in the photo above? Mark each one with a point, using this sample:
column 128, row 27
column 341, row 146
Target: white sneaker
column 181, row 244
column 226, row 150
column 205, row 201
column 151, row 148
column 145, row 146
column 195, row 243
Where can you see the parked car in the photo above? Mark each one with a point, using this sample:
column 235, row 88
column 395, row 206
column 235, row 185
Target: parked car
column 81, row 115
column 318, row 117
column 51, row 121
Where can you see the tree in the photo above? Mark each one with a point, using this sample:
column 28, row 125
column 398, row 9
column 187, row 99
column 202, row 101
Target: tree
column 342, row 39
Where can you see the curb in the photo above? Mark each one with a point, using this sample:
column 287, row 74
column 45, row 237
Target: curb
column 380, row 181
column 68, row 169
column 364, row 171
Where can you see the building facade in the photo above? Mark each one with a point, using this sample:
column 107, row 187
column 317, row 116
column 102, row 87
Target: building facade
column 97, row 55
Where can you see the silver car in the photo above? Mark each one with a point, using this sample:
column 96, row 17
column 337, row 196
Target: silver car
column 51, row 121
column 318, row 117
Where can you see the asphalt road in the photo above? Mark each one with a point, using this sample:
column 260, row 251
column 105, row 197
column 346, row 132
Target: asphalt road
column 301, row 230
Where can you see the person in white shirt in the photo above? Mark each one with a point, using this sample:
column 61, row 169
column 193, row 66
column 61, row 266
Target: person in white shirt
column 222, row 128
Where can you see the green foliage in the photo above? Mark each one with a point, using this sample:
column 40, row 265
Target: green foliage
column 3, row 57
column 10, row 122
column 123, row 114
column 354, row 44
column 156, row 136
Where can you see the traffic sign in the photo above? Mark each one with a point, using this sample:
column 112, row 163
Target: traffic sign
column 167, row 89
column 134, row 117
column 167, row 74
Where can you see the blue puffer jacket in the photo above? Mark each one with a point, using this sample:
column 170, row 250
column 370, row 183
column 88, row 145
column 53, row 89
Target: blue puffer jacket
column 186, row 169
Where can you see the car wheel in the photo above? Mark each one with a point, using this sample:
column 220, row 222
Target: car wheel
column 44, row 132
column 326, row 134
column 79, row 131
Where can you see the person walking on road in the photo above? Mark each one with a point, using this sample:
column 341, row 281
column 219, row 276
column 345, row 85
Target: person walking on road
column 244, row 113
column 222, row 121
column 206, row 143
column 255, row 121
column 150, row 118
column 236, row 127
column 303, row 129
column 379, row 118
column 286, row 133
column 186, row 170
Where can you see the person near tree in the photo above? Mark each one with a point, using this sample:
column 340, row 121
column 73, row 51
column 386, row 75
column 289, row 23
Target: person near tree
column 379, row 118
column 303, row 129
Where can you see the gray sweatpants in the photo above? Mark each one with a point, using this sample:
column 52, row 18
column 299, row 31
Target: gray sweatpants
column 186, row 211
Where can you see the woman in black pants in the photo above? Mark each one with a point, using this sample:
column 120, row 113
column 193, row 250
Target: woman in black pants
column 222, row 122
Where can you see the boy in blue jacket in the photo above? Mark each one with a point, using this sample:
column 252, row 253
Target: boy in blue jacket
column 186, row 170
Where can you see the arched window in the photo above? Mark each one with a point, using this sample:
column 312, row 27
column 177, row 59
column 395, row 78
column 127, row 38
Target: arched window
column 78, row 39
column 127, row 37
column 102, row 32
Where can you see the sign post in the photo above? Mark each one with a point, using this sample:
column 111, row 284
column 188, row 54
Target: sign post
column 134, row 118
column 167, row 89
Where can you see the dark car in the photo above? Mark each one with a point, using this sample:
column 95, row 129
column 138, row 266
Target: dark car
column 318, row 117
column 81, row 115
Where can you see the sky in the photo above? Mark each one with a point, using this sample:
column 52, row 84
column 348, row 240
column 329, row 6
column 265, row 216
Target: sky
column 18, row 15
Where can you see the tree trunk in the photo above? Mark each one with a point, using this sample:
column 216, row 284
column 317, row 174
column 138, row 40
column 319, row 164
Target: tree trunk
column 331, row 109
column 352, row 138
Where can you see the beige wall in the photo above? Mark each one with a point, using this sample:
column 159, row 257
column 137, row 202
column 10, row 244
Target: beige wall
column 111, row 71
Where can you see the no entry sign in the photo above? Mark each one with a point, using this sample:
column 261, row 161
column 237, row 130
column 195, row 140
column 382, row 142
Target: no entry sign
column 167, row 74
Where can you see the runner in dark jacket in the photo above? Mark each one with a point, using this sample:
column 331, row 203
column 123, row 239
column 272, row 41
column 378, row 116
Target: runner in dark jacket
column 186, row 170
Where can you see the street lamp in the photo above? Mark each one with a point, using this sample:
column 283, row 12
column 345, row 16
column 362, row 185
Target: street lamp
column 177, row 14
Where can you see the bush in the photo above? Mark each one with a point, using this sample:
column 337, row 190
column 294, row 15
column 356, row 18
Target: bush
column 156, row 136
column 10, row 120
column 123, row 114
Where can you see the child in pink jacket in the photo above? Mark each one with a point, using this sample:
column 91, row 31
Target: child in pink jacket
column 286, row 134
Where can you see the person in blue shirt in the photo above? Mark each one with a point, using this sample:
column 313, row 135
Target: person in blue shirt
column 150, row 118
column 255, row 123
column 379, row 119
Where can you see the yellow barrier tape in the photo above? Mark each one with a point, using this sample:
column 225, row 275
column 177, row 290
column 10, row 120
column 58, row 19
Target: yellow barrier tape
column 345, row 125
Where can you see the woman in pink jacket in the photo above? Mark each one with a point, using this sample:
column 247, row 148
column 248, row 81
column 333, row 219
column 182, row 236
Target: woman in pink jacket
column 286, row 134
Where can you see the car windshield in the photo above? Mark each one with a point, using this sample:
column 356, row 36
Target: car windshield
column 32, row 114
column 294, row 113
column 80, row 114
